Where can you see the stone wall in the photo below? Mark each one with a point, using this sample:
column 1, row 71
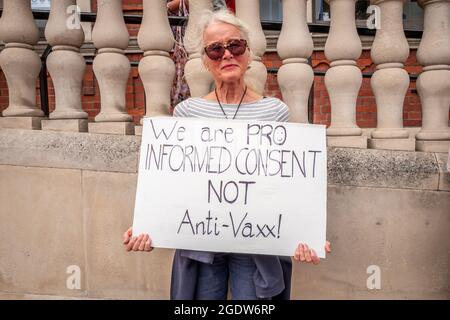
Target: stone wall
column 67, row 198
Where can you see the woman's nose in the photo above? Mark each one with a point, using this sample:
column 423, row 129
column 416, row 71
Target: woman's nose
column 227, row 54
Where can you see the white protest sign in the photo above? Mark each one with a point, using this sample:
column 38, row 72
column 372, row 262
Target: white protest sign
column 232, row 186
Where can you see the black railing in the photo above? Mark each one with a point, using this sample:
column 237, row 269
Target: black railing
column 43, row 84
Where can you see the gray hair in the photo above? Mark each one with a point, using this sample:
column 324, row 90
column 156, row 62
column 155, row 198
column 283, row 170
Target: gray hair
column 208, row 17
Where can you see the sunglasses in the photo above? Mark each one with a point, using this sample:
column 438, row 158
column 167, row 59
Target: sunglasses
column 216, row 50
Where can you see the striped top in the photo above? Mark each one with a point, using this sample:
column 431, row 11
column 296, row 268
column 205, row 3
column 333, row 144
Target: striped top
column 265, row 109
column 273, row 275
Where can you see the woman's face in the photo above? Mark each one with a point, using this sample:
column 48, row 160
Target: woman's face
column 229, row 68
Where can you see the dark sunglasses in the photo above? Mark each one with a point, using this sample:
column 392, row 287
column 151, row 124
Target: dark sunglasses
column 216, row 50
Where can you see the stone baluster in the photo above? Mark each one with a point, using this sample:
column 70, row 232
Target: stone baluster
column 20, row 64
column 199, row 80
column 295, row 46
column 111, row 68
column 248, row 11
column 390, row 81
column 433, row 84
column 86, row 6
column 156, row 68
column 66, row 66
column 343, row 79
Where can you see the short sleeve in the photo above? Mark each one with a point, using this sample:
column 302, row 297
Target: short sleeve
column 181, row 109
column 283, row 113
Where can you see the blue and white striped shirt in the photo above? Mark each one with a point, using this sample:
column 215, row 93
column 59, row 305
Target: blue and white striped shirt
column 265, row 109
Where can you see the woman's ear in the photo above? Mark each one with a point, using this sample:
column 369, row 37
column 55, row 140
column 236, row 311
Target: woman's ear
column 250, row 58
column 205, row 65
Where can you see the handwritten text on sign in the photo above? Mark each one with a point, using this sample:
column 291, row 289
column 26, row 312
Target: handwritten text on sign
column 232, row 186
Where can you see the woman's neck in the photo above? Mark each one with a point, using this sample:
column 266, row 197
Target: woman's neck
column 230, row 92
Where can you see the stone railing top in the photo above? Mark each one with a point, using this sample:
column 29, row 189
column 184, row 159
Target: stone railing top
column 423, row 3
column 375, row 2
column 115, row 153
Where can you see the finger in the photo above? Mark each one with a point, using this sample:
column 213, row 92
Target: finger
column 144, row 240
column 302, row 253
column 314, row 257
column 307, row 254
column 138, row 242
column 131, row 243
column 148, row 245
column 297, row 254
column 328, row 247
column 127, row 235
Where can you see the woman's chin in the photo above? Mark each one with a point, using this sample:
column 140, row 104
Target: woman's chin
column 231, row 78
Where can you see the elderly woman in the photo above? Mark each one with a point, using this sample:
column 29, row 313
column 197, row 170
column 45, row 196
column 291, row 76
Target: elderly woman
column 224, row 43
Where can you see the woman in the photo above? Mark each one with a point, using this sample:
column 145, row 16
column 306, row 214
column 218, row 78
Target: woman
column 204, row 275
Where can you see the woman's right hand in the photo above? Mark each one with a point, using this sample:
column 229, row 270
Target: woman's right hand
column 140, row 243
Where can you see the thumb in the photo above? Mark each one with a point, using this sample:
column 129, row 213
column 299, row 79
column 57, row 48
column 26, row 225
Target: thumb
column 127, row 235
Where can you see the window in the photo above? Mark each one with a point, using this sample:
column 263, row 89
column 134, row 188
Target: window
column 321, row 11
column 361, row 14
column 271, row 10
column 43, row 5
column 412, row 15
column 40, row 4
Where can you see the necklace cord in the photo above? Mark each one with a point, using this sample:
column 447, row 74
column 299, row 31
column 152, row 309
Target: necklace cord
column 237, row 109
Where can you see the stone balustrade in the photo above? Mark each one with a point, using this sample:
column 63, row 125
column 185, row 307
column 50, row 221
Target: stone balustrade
column 111, row 68
column 248, row 11
column 343, row 79
column 20, row 64
column 295, row 46
column 433, row 84
column 390, row 82
column 66, row 66
column 198, row 78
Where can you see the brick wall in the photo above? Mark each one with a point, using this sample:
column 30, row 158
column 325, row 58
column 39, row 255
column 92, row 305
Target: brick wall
column 321, row 111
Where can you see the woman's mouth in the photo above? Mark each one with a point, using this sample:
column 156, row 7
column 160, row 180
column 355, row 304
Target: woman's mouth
column 227, row 66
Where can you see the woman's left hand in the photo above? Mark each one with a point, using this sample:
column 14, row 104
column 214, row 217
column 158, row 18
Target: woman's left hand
column 305, row 254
